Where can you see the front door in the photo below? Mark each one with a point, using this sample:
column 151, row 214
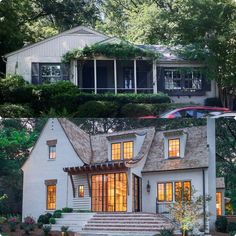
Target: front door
column 136, row 193
column 109, row 192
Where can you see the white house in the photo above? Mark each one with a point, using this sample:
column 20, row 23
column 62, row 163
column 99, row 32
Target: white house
column 41, row 62
column 138, row 170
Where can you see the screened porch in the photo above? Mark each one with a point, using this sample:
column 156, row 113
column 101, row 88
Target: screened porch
column 115, row 76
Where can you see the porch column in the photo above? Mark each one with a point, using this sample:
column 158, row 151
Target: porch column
column 135, row 76
column 75, row 72
column 95, row 76
column 154, row 69
column 115, row 76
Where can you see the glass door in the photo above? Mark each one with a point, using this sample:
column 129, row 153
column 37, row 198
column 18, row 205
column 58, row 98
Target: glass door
column 109, row 192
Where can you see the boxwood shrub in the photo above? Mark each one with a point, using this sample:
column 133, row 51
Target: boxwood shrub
column 57, row 214
column 17, row 111
column 231, row 226
column 52, row 221
column 221, row 224
column 67, row 210
column 44, row 219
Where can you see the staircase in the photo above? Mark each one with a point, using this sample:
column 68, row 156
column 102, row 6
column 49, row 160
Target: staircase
column 125, row 224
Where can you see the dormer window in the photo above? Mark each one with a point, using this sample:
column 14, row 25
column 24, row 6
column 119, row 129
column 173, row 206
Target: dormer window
column 173, row 148
column 122, row 150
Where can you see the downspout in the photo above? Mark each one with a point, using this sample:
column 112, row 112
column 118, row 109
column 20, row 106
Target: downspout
column 204, row 200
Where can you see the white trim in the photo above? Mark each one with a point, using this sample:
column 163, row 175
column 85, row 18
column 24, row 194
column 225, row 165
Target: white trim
column 154, row 74
column 95, row 75
column 115, row 76
column 135, row 76
column 68, row 32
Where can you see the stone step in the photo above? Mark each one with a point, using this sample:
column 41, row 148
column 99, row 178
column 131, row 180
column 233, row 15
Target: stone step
column 130, row 221
column 127, row 225
column 109, row 233
column 113, row 228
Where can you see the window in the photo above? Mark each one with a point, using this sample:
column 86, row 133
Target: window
column 123, row 150
column 81, row 190
column 174, row 147
column 51, row 197
column 50, row 73
column 52, row 152
column 219, row 203
column 165, row 192
column 182, row 79
column 182, row 191
column 128, row 150
column 116, row 151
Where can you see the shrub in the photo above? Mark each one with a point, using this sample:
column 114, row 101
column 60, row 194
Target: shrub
column 136, row 110
column 12, row 110
column 29, row 220
column 12, row 223
column 221, row 224
column 97, row 109
column 40, row 225
column 44, row 219
column 46, row 230
column 167, row 232
column 67, row 209
column 213, row 102
column 52, row 221
column 231, row 226
column 57, row 214
column 2, row 220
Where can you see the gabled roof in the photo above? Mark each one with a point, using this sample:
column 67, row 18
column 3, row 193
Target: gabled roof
column 196, row 152
column 82, row 30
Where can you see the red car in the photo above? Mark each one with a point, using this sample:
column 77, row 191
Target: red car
column 194, row 112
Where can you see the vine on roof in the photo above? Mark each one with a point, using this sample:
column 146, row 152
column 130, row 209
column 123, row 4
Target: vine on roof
column 119, row 51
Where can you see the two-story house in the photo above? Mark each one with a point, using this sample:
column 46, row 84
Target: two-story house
column 138, row 170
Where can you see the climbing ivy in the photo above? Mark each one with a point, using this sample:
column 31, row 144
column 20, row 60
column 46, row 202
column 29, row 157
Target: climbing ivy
column 120, row 51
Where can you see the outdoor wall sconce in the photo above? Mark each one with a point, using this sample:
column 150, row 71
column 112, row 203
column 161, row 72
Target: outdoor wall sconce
column 148, row 187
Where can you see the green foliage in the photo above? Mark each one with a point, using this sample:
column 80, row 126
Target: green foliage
column 40, row 225
column 233, row 233
column 136, row 110
column 97, row 109
column 64, row 229
column 221, row 224
column 231, row 227
column 122, row 50
column 213, row 102
column 167, row 232
column 17, row 111
column 57, row 214
column 52, row 221
column 67, row 210
column 46, row 230
column 44, row 219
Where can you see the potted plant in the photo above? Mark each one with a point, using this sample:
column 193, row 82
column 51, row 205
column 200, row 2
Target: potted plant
column 64, row 230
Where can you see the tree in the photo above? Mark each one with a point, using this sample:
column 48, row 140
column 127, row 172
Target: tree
column 16, row 137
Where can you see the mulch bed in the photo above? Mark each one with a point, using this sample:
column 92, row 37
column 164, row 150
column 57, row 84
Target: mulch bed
column 36, row 232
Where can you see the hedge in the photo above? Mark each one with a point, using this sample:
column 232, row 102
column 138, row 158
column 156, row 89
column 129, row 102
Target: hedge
column 17, row 111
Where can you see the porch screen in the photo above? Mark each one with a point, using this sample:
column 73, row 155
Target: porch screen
column 109, row 192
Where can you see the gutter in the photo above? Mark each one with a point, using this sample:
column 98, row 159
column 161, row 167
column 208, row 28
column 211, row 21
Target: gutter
column 204, row 200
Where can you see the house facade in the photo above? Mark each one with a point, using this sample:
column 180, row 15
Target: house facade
column 184, row 81
column 138, row 170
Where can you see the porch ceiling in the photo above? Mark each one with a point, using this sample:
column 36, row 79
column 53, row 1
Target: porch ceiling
column 88, row 168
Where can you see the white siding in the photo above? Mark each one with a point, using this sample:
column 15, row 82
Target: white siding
column 48, row 51
column 81, row 203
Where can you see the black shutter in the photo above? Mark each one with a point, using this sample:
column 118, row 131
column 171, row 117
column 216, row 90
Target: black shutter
column 160, row 79
column 65, row 71
column 35, row 73
column 206, row 86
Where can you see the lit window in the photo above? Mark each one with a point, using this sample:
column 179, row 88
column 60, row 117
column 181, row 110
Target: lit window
column 81, row 190
column 182, row 191
column 174, row 147
column 116, row 151
column 219, row 203
column 128, row 150
column 52, row 152
column 165, row 192
column 51, row 197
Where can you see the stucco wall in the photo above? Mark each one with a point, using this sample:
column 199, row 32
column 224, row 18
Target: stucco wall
column 39, row 168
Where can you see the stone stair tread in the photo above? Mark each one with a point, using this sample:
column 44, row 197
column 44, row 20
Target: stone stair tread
column 122, row 229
